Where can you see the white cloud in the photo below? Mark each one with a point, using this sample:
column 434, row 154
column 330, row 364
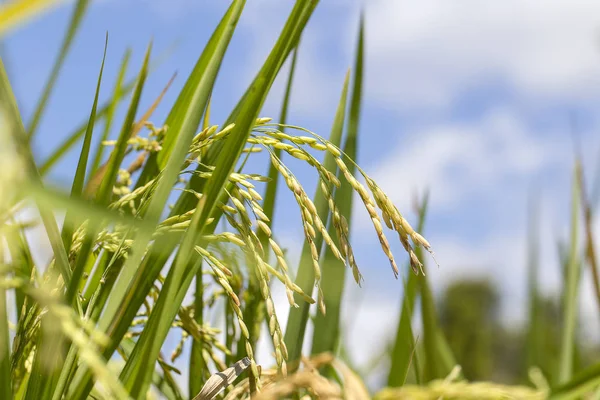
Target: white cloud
column 458, row 160
column 429, row 52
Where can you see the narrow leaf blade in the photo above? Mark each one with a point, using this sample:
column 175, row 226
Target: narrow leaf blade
column 79, row 179
column 326, row 335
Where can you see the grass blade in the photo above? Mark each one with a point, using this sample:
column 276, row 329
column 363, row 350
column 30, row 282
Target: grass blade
column 445, row 354
column 588, row 218
column 96, row 179
column 102, row 112
column 118, row 92
column 78, row 133
column 271, row 188
column 175, row 278
column 570, row 295
column 104, row 192
column 327, row 327
column 78, row 181
column 76, row 18
column 5, row 376
column 534, row 330
column 81, row 208
column 583, row 382
column 21, row 259
column 198, row 367
column 210, row 61
column 76, row 191
column 439, row 360
column 298, row 317
column 403, row 353
column 163, row 383
column 103, row 198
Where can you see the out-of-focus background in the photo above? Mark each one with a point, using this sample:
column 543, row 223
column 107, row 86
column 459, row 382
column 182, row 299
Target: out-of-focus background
column 481, row 104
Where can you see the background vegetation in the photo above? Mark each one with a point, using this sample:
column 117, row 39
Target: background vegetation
column 166, row 225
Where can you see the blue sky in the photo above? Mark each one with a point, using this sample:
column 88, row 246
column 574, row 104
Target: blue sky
column 470, row 99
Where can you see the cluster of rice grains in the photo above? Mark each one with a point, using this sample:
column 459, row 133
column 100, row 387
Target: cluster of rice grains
column 273, row 138
column 246, row 218
column 452, row 387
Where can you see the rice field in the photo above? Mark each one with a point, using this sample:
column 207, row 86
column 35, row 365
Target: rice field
column 166, row 224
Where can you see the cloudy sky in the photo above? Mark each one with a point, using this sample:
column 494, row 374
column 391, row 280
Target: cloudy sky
column 468, row 99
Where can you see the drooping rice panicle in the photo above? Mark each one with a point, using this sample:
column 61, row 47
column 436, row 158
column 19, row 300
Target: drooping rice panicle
column 370, row 206
column 255, row 251
column 389, row 212
column 309, row 215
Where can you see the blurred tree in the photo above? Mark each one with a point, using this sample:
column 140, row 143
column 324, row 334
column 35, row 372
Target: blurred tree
column 468, row 316
column 487, row 349
column 543, row 339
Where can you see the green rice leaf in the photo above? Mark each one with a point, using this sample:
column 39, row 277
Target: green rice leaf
column 197, row 366
column 298, row 317
column 439, row 360
column 180, row 275
column 403, row 353
column 76, row 191
column 271, row 187
column 102, row 113
column 445, row 355
column 79, row 180
column 573, row 276
column 118, row 93
column 104, row 193
column 20, row 255
column 590, row 248
column 535, row 330
column 164, row 383
column 54, row 198
column 583, row 382
column 327, row 327
column 5, row 376
column 326, row 335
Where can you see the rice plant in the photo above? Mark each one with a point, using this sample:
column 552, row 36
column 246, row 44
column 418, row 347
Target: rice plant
column 166, row 223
